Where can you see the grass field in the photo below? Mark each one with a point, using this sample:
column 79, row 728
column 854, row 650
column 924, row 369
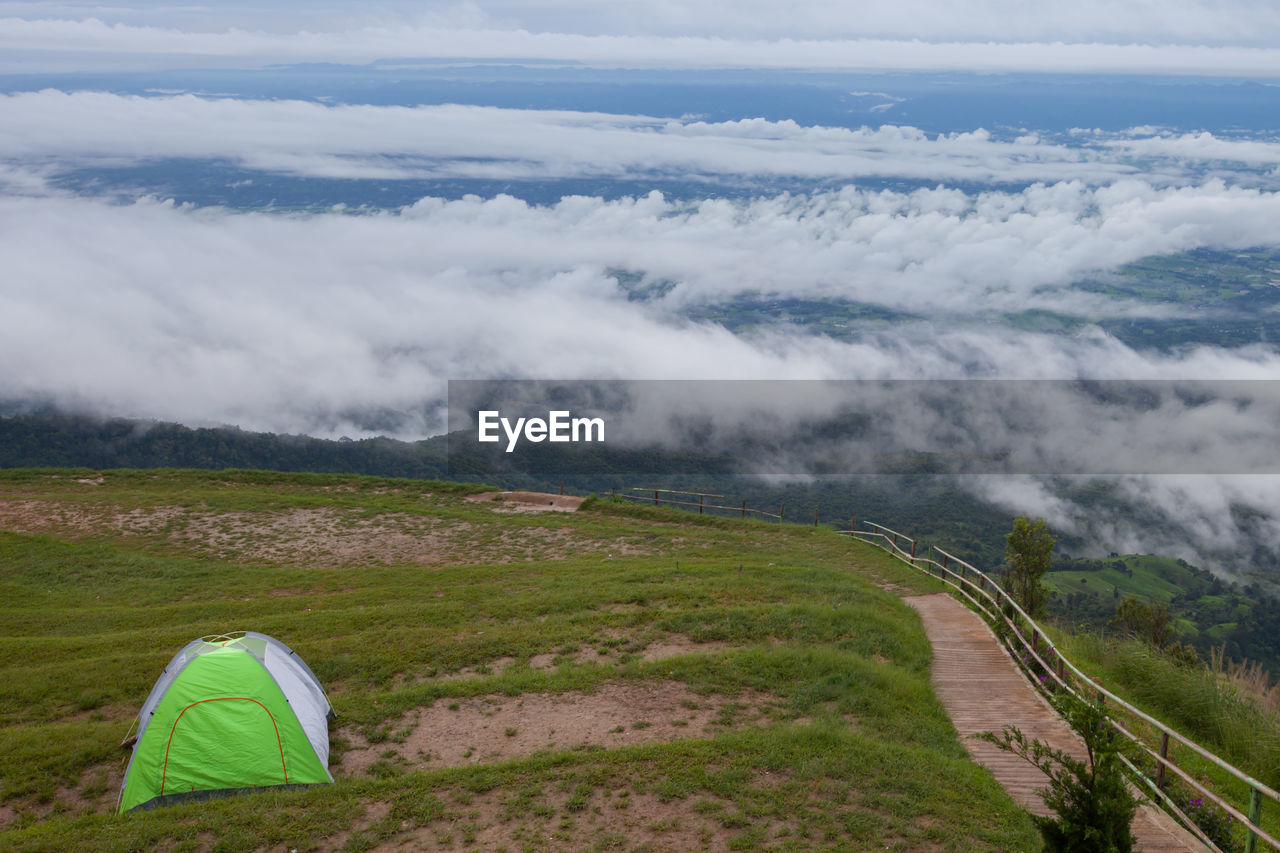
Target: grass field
column 1148, row 577
column 616, row 678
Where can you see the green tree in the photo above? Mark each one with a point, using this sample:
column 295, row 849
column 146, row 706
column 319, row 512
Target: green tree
column 1150, row 622
column 1028, row 554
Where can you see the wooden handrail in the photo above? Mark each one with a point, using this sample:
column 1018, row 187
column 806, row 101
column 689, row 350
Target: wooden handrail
column 674, row 492
column 999, row 601
column 741, row 509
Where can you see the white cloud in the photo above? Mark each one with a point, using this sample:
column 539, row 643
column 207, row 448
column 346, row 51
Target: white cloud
column 924, row 252
column 1118, row 21
column 934, row 38
column 1122, row 21
column 287, row 322
column 1203, row 147
column 1194, row 517
column 63, row 129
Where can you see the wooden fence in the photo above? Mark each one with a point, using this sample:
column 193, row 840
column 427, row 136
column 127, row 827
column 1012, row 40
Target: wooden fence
column 660, row 496
column 1049, row 670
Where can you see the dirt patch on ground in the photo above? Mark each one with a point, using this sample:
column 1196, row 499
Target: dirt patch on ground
column 895, row 588
column 557, row 817
column 326, row 537
column 604, row 652
column 323, row 537
column 674, row 645
column 483, row 730
column 373, row 813
column 96, row 792
column 528, row 501
column 30, row 516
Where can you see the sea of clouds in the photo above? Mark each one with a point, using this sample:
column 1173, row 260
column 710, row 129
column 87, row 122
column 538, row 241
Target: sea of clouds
column 350, row 322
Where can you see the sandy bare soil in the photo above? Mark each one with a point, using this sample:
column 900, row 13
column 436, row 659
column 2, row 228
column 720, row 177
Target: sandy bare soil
column 529, row 501
column 486, row 729
column 669, row 646
column 646, row 821
column 547, row 819
column 324, row 537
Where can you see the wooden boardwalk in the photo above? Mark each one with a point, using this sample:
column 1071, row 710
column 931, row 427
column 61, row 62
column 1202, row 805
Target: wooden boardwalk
column 983, row 690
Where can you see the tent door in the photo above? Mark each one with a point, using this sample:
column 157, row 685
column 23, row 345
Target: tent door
column 224, row 742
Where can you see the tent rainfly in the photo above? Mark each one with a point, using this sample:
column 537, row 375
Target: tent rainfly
column 228, row 714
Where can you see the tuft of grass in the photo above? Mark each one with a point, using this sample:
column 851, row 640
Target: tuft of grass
column 1192, row 699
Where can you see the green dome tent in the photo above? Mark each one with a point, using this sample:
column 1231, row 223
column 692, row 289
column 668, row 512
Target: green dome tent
column 228, row 713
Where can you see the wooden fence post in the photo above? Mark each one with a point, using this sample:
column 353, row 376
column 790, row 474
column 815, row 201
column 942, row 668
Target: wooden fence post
column 782, row 512
column 815, row 516
column 1164, row 753
column 700, row 504
column 655, row 497
column 744, row 509
column 1255, row 818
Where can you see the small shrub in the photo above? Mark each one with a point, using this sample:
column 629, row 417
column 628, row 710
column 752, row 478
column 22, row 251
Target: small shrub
column 1216, row 823
column 1094, row 807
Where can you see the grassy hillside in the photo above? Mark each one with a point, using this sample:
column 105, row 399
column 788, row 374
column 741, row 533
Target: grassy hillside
column 1148, row 577
column 1209, row 613
column 617, row 678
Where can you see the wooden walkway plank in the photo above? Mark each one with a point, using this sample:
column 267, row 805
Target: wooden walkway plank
column 983, row 690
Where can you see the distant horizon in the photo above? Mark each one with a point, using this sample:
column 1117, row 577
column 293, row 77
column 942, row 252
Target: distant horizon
column 1186, row 37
